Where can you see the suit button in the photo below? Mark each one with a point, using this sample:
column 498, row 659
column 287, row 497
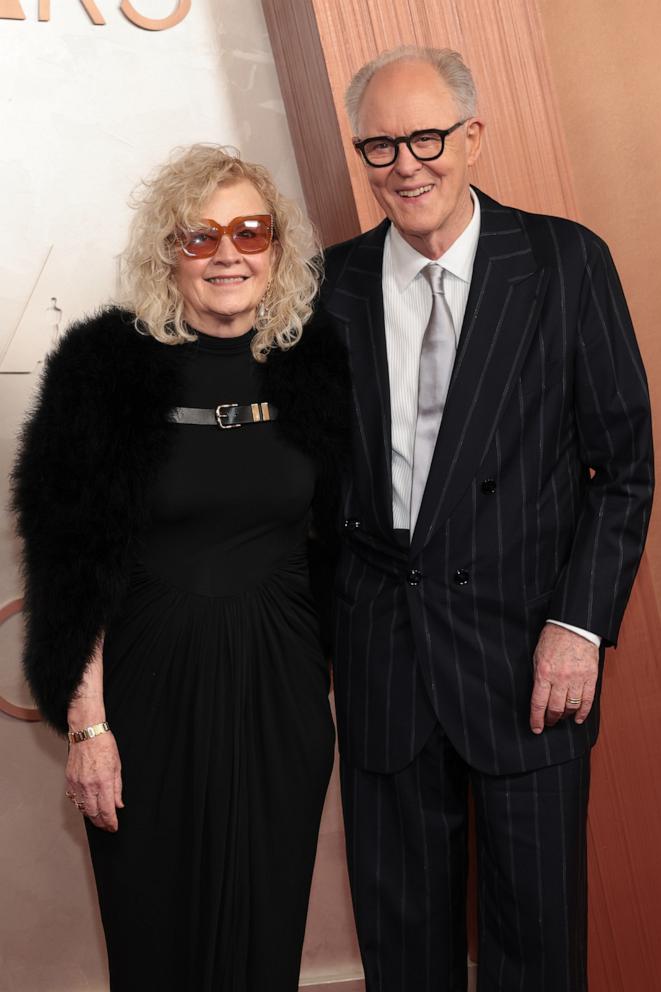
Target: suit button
column 352, row 524
column 488, row 487
column 414, row 577
column 461, row 577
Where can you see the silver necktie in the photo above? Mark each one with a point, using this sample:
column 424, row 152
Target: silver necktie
column 436, row 362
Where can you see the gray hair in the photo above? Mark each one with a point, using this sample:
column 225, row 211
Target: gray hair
column 449, row 64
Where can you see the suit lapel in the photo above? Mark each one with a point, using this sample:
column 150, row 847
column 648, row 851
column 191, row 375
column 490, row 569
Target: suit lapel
column 504, row 299
column 358, row 306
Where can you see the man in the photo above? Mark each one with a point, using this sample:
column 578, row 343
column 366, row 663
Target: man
column 494, row 521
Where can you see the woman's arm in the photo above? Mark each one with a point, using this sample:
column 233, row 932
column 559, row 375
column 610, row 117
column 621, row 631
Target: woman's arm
column 93, row 770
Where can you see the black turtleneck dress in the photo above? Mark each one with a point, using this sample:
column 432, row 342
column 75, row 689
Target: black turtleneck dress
column 217, row 691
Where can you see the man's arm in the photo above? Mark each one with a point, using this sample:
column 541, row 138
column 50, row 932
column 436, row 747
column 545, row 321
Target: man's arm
column 613, row 421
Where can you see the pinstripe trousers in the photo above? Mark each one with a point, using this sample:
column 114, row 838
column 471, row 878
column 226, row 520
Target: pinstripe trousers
column 407, row 855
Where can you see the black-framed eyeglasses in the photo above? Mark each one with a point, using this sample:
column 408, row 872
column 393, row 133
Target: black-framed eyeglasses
column 424, row 145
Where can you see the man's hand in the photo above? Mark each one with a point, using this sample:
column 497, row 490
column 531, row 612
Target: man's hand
column 566, row 669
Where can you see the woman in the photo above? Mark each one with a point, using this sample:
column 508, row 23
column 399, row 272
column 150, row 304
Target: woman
column 163, row 489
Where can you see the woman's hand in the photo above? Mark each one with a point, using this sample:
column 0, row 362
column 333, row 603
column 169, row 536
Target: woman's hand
column 94, row 771
column 94, row 778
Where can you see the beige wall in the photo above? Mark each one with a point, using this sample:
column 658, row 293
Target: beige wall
column 604, row 58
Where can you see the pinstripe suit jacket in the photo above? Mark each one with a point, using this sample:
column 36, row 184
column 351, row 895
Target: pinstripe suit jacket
column 536, row 505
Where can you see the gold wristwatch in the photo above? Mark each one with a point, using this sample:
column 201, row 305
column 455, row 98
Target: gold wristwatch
column 76, row 736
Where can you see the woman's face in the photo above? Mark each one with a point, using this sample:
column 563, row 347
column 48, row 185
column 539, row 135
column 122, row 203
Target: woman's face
column 221, row 294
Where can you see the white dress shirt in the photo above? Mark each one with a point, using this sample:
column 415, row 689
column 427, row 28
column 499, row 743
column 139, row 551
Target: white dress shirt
column 407, row 303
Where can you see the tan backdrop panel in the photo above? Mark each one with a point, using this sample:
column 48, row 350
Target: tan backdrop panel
column 625, row 808
column 311, row 111
column 513, row 82
column 605, row 137
column 605, row 60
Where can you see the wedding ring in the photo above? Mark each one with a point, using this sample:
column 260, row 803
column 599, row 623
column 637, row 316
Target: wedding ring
column 574, row 702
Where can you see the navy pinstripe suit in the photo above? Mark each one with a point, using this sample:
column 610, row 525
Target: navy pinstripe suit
column 536, row 506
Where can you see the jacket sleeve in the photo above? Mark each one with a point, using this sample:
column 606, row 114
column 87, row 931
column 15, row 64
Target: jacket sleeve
column 613, row 421
column 72, row 545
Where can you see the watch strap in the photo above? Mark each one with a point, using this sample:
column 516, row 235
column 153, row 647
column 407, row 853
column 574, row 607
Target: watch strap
column 87, row 733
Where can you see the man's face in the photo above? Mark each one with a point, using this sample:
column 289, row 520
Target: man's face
column 428, row 202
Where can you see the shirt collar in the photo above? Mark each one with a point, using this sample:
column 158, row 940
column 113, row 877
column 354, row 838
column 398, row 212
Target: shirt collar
column 458, row 259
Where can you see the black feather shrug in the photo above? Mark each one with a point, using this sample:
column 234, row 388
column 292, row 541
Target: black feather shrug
column 88, row 454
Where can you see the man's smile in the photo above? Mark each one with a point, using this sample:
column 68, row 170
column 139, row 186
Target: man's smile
column 418, row 191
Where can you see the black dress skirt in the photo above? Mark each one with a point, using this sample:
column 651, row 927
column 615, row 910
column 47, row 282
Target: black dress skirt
column 217, row 691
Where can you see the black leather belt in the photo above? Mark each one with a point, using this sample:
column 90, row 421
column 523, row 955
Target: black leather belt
column 226, row 415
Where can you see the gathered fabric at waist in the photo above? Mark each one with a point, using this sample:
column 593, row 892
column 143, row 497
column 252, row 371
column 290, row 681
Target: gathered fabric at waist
column 227, row 567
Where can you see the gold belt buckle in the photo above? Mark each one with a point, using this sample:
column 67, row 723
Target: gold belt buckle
column 221, row 411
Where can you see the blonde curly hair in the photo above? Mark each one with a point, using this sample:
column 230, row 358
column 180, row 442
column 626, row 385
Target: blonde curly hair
column 171, row 200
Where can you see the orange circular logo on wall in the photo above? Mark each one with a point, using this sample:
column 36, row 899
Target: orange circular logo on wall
column 29, row 713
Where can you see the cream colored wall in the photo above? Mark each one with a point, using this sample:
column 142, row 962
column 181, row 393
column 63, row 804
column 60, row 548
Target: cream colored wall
column 605, row 65
column 86, row 111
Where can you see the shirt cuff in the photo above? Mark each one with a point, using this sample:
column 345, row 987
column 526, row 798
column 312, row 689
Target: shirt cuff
column 588, row 635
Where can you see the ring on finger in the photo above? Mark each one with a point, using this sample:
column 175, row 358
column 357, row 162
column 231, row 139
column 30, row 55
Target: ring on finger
column 574, row 702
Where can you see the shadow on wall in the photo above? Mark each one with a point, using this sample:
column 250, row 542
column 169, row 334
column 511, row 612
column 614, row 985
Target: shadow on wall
column 254, row 91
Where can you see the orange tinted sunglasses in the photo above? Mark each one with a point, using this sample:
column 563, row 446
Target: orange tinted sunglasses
column 249, row 235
